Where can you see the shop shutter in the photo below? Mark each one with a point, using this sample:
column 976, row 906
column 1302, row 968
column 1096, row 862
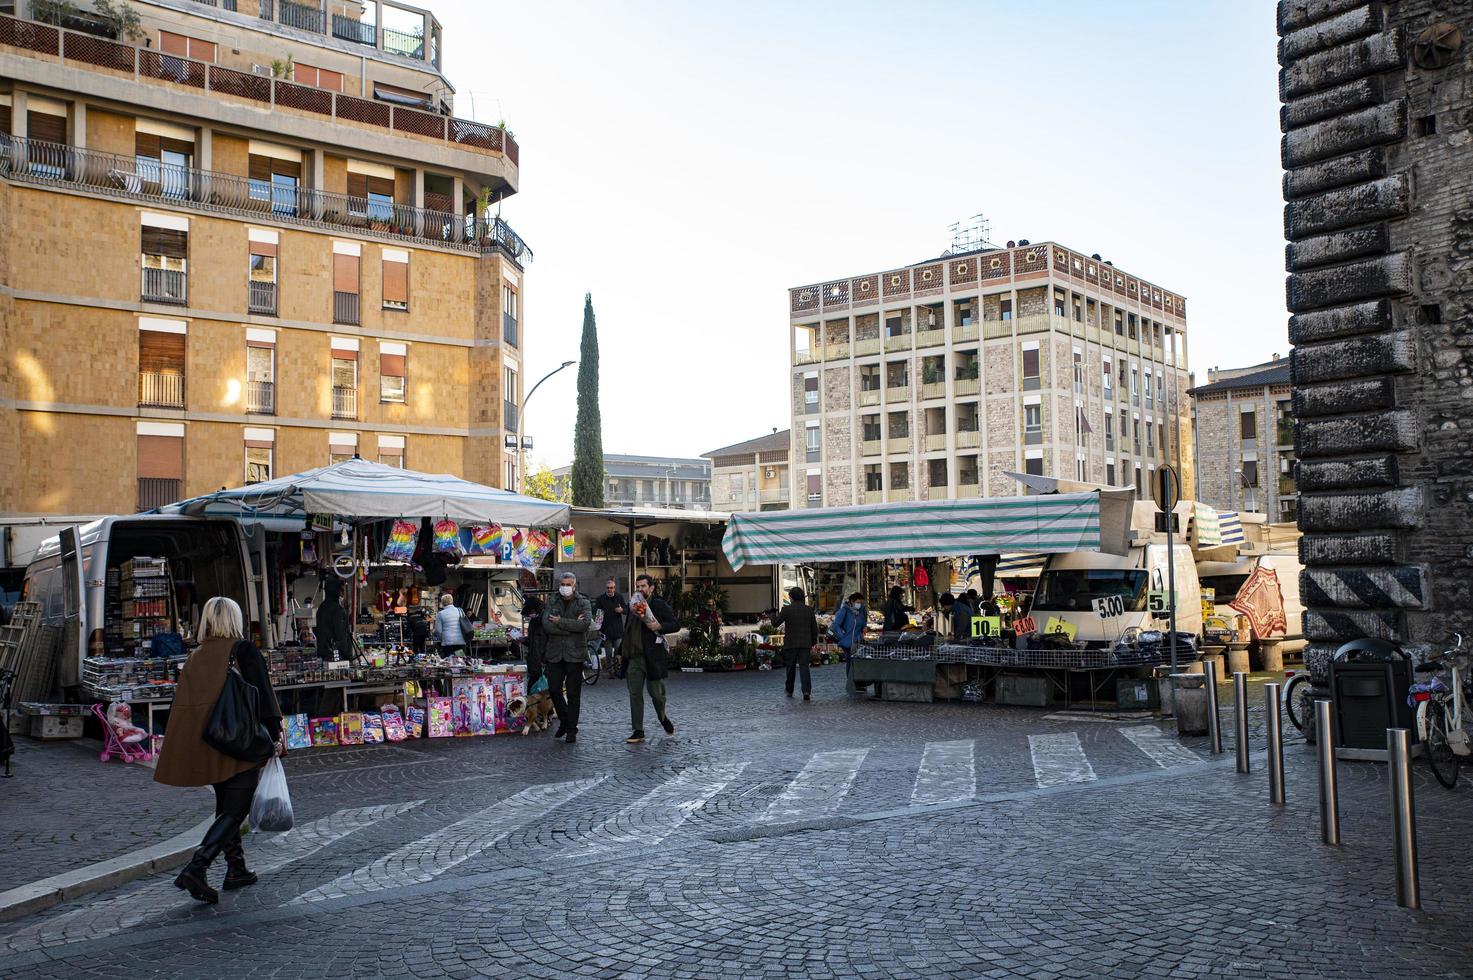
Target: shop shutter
column 165, row 241
column 160, row 351
column 344, row 273
column 46, row 127
column 357, row 185
column 160, row 458
column 396, row 282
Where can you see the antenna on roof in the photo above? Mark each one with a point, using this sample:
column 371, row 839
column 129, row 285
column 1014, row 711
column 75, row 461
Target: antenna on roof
column 970, row 235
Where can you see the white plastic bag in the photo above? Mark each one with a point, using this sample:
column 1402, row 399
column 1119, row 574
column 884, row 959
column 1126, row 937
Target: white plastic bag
column 271, row 808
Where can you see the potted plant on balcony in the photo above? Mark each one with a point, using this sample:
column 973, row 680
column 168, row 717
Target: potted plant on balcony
column 967, row 372
column 929, row 374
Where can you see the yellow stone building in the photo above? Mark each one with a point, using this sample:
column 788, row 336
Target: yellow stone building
column 245, row 239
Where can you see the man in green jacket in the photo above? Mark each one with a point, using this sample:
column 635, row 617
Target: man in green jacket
column 567, row 621
column 644, row 650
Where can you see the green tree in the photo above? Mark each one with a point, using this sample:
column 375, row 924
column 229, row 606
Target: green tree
column 544, row 486
column 588, row 440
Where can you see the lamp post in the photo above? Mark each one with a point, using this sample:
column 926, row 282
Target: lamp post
column 522, row 420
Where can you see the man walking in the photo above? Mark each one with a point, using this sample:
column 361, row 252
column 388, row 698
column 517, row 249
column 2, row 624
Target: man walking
column 800, row 634
column 613, row 606
column 566, row 622
column 649, row 619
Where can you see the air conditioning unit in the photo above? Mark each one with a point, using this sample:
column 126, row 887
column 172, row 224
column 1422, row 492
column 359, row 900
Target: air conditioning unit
column 769, row 473
column 260, row 70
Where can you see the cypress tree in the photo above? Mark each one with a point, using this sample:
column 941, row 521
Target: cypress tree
column 588, row 442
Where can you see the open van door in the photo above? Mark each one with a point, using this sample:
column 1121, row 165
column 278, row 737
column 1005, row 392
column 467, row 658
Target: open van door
column 74, row 610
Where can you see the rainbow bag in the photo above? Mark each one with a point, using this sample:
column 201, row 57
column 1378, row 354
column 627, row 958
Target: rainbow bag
column 447, row 538
column 400, row 546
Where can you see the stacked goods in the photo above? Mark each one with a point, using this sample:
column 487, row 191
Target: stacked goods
column 143, row 596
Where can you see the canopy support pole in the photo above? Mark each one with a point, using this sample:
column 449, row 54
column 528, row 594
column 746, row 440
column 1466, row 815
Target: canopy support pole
column 631, row 555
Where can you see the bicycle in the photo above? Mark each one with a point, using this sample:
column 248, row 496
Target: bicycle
column 1299, row 702
column 601, row 660
column 1441, row 723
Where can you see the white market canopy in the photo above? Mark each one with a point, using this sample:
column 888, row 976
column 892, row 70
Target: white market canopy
column 1095, row 520
column 357, row 489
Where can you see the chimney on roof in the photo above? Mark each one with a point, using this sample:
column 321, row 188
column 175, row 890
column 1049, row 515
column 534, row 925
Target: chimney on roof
column 1276, row 355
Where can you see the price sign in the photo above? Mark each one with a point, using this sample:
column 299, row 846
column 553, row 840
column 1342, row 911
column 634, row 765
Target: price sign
column 1025, row 626
column 1055, row 625
column 1109, row 606
column 1159, row 603
column 986, row 625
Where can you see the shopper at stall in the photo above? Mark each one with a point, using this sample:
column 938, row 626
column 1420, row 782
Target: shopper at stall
column 961, row 612
column 419, row 629
column 334, row 638
column 452, row 626
column 568, row 619
column 613, row 606
column 848, row 623
column 646, row 655
column 534, row 639
column 187, row 760
column 800, row 635
column 896, row 610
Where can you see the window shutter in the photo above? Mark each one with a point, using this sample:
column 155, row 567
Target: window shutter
column 202, row 50
column 160, row 351
column 46, row 127
column 148, row 145
column 396, row 282
column 345, row 273
column 381, row 185
column 165, row 241
column 263, row 248
column 160, row 457
column 391, row 365
column 172, row 43
column 260, row 167
column 286, row 168
column 5, row 119
column 357, row 185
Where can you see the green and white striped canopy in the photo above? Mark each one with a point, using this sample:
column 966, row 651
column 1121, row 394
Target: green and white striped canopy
column 1043, row 524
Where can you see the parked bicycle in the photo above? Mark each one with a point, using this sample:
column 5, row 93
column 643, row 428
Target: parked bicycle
column 1443, row 711
column 1299, row 702
column 602, row 661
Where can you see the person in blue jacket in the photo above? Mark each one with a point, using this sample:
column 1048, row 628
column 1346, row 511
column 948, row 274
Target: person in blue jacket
column 848, row 623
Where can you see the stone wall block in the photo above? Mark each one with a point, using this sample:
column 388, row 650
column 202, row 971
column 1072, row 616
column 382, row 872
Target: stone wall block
column 1359, row 204
column 1357, row 130
column 1398, row 587
column 1354, row 23
column 1342, row 321
column 1387, row 275
column 1331, row 102
column 1360, row 395
column 1294, row 14
column 1374, row 548
column 1357, row 357
column 1358, row 59
column 1400, row 508
column 1345, row 626
column 1307, row 253
column 1345, row 474
column 1393, row 431
column 1353, row 168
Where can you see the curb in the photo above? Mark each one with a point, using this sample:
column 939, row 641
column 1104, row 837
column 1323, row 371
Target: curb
column 38, row 895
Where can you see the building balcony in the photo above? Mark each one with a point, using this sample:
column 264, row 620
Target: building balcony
column 899, row 493
column 167, row 286
column 869, row 396
column 345, row 403
column 835, row 352
column 261, row 397
column 874, row 496
column 262, row 298
column 968, row 488
column 938, row 493
column 159, row 389
column 808, row 356
column 968, row 386
column 1037, row 323
column 509, row 329
column 1287, row 486
column 344, row 307
column 931, row 338
column 897, row 444
column 154, row 492
column 900, row 341
column 778, row 496
column 933, row 389
column 113, row 175
column 968, row 439
column 1284, row 431
column 898, row 393
column 870, row 345
column 967, row 331
column 870, row 447
column 935, row 441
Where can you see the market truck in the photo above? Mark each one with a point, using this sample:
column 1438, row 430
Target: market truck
column 1223, row 572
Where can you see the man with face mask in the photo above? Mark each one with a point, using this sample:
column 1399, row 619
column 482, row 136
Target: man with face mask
column 566, row 623
column 649, row 619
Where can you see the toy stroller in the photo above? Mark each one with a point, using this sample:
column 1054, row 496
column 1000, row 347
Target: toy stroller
column 120, row 736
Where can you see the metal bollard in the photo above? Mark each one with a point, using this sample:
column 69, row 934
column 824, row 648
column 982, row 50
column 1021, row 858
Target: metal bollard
column 1329, row 778
column 1404, row 818
column 1214, row 730
column 1275, row 743
column 1240, row 718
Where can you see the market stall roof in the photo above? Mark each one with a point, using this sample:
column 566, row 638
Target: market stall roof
column 357, row 488
column 1047, row 523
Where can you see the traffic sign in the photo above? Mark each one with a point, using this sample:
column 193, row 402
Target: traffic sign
column 1166, row 488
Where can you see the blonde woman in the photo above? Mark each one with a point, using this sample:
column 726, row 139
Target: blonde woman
column 186, row 760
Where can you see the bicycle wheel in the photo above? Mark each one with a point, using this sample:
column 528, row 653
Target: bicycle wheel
column 591, row 670
column 1299, row 704
column 1440, row 755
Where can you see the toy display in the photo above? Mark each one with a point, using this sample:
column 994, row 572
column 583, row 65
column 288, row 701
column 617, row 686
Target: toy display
column 393, row 723
column 324, row 731
column 298, row 736
column 373, row 728
column 350, row 732
column 439, row 717
column 414, row 721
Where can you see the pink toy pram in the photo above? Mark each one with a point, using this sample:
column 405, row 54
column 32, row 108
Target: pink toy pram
column 120, row 735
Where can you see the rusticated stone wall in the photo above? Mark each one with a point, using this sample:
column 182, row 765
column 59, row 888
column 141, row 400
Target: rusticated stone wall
column 1377, row 105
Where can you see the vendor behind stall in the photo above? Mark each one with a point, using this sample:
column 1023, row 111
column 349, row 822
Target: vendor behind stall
column 334, row 640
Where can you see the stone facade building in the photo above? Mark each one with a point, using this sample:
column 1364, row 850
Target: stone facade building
column 936, row 380
column 1379, row 184
column 1244, row 436
column 239, row 247
column 752, row 475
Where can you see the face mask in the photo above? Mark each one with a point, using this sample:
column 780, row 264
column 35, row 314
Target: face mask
column 856, row 606
column 565, row 590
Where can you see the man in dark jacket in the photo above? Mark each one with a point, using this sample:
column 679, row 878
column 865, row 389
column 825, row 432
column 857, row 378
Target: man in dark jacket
column 334, row 640
column 566, row 622
column 961, row 616
column 895, row 611
column 613, row 606
column 649, row 619
column 800, row 635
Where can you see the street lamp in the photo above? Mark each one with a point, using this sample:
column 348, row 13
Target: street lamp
column 1252, row 494
column 522, row 419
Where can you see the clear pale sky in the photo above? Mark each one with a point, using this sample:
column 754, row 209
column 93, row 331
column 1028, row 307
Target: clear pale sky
column 687, row 162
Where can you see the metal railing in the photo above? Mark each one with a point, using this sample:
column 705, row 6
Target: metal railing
column 261, row 397
column 344, row 307
column 142, row 63
column 170, row 286
column 263, row 297
column 344, row 402
column 154, row 492
column 158, row 389
column 37, row 162
column 409, row 45
column 354, row 30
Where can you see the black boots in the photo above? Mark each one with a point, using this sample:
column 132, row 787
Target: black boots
column 237, row 875
column 223, row 835
column 192, row 880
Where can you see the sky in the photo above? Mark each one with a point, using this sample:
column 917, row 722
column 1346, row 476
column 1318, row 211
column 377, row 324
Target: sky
column 688, row 162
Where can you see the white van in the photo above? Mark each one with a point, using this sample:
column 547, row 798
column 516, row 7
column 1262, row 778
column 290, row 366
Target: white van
column 1226, row 578
column 207, row 557
column 1070, row 584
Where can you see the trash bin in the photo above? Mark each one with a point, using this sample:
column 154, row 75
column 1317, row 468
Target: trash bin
column 1369, row 683
column 1189, row 702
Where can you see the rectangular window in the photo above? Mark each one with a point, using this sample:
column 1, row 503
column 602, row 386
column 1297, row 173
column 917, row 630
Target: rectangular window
column 162, row 162
column 1110, row 472
column 317, row 77
column 1058, row 302
column 1250, row 472
column 811, row 439
column 1108, row 379
column 1031, row 367
column 1150, row 392
column 160, row 463
column 815, row 486
column 1119, row 324
column 261, row 284
column 511, row 397
column 391, row 451
column 810, row 393
column 1032, row 420
column 187, row 47
column 341, row 446
column 371, row 195
column 396, row 279
column 260, row 371
column 1150, row 438
column 509, row 313
column 391, row 371
column 1006, row 306
column 344, row 378
column 1248, row 426
column 165, row 258
column 161, row 346
column 1078, row 371
column 259, row 449
column 345, row 282
column 274, row 177
column 1135, row 431
column 1033, row 465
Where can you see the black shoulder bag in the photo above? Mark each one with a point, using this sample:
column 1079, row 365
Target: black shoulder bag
column 235, row 728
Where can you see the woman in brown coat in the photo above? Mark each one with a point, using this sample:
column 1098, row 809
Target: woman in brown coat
column 186, row 760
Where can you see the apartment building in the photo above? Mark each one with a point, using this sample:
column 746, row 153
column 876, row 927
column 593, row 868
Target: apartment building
column 672, row 482
column 247, row 239
column 935, row 380
column 752, row 475
column 1244, row 425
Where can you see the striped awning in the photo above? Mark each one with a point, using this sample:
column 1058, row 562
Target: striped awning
column 1231, row 526
column 1043, row 524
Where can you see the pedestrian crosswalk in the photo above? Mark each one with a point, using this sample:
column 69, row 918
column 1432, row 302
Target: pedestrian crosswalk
column 818, row 790
column 1058, row 758
column 948, row 772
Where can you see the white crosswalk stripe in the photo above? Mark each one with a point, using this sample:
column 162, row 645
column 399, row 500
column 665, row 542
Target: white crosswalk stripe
column 948, row 772
column 1158, row 748
column 819, row 789
column 1059, row 758
column 431, row 856
column 658, row 813
column 159, row 898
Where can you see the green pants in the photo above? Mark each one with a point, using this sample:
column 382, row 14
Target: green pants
column 638, row 682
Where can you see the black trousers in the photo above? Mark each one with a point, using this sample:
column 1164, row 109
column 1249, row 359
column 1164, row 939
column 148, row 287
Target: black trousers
column 560, row 675
column 232, row 806
column 798, row 660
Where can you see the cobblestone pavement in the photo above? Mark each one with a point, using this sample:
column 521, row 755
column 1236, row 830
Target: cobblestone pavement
column 842, row 838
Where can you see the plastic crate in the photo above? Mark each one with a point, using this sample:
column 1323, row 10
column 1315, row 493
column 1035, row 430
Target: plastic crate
column 1025, row 690
column 1137, row 693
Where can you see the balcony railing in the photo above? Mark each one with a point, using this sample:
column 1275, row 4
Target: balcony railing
column 869, row 396
column 773, row 496
column 931, row 338
column 263, row 298
column 157, row 389
column 261, row 397
column 1287, row 485
column 509, row 329
column 968, row 385
column 91, row 52
column 154, row 492
column 968, row 439
column 935, row 440
column 344, row 402
column 409, row 45
column 168, row 286
column 353, row 30
column 37, row 162
column 344, row 307
column 870, row 447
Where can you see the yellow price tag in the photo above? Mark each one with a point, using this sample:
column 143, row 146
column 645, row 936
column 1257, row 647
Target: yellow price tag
column 1057, row 625
column 986, row 625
